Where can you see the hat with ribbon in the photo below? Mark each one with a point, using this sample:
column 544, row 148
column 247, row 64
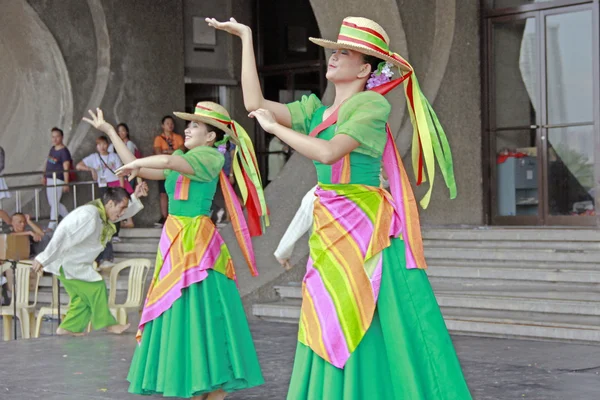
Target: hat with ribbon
column 247, row 177
column 367, row 37
column 212, row 114
column 429, row 140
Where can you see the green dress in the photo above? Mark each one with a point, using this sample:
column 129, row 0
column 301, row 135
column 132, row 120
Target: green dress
column 202, row 343
column 406, row 353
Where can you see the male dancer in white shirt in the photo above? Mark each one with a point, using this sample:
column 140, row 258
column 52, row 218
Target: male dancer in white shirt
column 76, row 243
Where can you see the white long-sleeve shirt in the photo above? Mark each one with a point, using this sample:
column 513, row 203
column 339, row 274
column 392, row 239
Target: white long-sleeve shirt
column 76, row 243
column 300, row 224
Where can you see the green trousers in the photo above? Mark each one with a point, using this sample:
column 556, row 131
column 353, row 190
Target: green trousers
column 89, row 302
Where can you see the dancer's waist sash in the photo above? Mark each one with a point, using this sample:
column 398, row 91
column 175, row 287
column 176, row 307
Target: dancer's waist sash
column 188, row 248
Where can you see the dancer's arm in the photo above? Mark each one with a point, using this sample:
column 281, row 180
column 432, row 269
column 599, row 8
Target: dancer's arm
column 124, row 153
column 253, row 96
column 99, row 123
column 156, row 165
column 323, row 151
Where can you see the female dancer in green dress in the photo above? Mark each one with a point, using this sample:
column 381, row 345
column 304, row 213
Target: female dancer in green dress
column 194, row 340
column 370, row 326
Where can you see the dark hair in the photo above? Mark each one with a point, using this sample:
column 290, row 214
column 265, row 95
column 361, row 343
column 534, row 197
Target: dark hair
column 102, row 138
column 220, row 133
column 372, row 61
column 162, row 121
column 124, row 125
column 18, row 214
column 116, row 194
column 55, row 129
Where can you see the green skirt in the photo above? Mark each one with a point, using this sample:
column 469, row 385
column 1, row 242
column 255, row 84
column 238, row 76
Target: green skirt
column 201, row 344
column 407, row 353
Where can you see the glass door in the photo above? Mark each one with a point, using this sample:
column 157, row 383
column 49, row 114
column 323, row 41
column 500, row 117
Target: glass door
column 542, row 122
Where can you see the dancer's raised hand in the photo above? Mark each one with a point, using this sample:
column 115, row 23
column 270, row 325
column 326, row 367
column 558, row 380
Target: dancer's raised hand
column 231, row 26
column 98, row 121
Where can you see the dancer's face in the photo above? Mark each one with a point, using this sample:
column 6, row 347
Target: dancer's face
column 115, row 210
column 122, row 132
column 346, row 66
column 56, row 138
column 198, row 134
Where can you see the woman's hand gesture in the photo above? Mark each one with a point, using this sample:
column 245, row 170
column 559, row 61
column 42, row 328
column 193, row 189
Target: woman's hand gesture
column 231, row 26
column 98, row 121
column 265, row 118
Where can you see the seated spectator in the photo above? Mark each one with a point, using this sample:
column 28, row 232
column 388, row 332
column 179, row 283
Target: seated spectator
column 22, row 225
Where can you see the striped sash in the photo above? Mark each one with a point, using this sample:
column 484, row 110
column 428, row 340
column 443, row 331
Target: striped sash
column 352, row 225
column 188, row 248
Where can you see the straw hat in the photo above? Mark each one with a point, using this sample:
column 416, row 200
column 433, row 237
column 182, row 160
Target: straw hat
column 212, row 114
column 366, row 37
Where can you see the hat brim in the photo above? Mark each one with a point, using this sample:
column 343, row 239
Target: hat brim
column 209, row 121
column 328, row 44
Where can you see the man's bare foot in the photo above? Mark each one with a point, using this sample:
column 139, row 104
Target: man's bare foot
column 217, row 395
column 118, row 329
column 64, row 332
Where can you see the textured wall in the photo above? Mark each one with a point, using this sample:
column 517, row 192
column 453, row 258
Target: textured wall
column 69, row 56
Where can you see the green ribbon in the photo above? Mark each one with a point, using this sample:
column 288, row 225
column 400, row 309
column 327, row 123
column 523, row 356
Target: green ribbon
column 108, row 228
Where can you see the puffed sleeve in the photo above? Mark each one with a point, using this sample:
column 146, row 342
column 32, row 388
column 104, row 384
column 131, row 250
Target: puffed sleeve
column 206, row 162
column 363, row 117
column 302, row 112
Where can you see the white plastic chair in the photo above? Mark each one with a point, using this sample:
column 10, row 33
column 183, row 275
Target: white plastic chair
column 52, row 310
column 25, row 309
column 135, row 287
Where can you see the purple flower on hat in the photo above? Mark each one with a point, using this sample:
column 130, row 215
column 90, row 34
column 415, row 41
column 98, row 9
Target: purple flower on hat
column 383, row 75
column 222, row 148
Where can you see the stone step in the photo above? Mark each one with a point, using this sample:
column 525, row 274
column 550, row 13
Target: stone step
column 534, row 234
column 135, row 247
column 502, row 263
column 501, row 324
column 520, row 274
column 295, row 292
column 45, row 297
column 119, row 256
column 289, row 291
column 514, row 245
column 524, row 256
column 519, row 295
column 287, row 311
column 153, row 233
column 513, row 303
column 452, row 284
column 508, row 328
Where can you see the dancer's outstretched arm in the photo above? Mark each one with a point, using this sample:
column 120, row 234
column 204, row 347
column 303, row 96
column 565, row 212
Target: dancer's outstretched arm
column 253, row 96
column 98, row 122
column 157, row 164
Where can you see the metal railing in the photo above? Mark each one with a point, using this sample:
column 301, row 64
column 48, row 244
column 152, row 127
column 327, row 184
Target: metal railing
column 18, row 190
